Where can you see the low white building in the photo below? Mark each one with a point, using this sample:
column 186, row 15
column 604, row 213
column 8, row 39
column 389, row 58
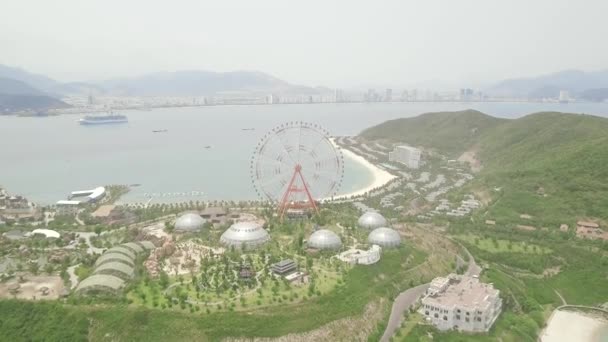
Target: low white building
column 355, row 256
column 461, row 303
column 407, row 155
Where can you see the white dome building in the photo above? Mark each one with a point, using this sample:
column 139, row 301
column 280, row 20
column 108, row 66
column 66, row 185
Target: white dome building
column 189, row 222
column 246, row 234
column 324, row 239
column 371, row 220
column 384, row 237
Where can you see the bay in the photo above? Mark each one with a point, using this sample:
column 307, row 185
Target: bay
column 46, row 158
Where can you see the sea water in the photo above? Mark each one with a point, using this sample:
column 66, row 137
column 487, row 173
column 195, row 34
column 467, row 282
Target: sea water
column 46, row 158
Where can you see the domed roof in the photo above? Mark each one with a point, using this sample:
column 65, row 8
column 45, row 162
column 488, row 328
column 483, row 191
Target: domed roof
column 371, row 220
column 384, row 237
column 247, row 233
column 324, row 239
column 189, row 222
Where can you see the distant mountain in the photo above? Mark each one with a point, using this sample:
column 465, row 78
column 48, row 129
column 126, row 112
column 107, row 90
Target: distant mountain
column 198, row 83
column 10, row 103
column 9, row 86
column 596, row 94
column 575, row 81
column 17, row 95
column 38, row 81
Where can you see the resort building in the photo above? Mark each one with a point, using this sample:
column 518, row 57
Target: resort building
column 114, row 269
column 355, row 256
column 461, row 303
column 407, row 155
column 284, row 267
column 215, row 214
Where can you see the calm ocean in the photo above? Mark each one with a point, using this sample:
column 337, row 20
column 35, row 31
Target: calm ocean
column 46, row 158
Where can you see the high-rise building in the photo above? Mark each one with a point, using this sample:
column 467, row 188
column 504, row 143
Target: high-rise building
column 407, row 155
column 388, row 97
column 339, row 95
column 564, row 96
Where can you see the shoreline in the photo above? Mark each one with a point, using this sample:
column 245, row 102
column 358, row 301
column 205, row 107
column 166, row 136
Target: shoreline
column 380, row 177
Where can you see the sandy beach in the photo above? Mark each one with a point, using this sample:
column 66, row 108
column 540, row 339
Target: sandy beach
column 567, row 326
column 380, row 176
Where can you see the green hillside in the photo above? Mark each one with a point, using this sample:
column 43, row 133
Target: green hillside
column 449, row 132
column 549, row 165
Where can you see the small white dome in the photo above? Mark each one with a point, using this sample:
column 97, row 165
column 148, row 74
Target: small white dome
column 324, row 239
column 248, row 234
column 371, row 220
column 189, row 222
column 384, row 237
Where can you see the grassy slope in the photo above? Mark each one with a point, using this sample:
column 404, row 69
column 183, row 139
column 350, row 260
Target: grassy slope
column 448, row 132
column 563, row 154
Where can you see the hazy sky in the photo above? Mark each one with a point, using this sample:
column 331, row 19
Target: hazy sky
column 313, row 42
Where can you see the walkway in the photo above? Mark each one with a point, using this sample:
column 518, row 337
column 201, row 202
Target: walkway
column 403, row 302
column 73, row 277
column 406, row 299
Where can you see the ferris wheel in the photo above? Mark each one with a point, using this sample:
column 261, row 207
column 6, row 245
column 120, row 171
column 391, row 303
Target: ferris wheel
column 295, row 165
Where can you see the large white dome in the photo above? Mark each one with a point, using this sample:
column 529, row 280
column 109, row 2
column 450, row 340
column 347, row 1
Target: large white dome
column 245, row 234
column 371, row 220
column 324, row 239
column 189, row 222
column 384, row 237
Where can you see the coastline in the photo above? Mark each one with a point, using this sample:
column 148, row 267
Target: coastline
column 380, row 177
column 565, row 326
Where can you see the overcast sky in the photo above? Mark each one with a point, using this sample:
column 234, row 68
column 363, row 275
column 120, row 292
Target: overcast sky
column 313, row 42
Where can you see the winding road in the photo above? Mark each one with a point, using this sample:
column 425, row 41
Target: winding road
column 408, row 298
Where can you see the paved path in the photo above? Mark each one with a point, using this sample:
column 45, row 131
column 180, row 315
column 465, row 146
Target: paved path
column 407, row 298
column 73, row 278
column 403, row 302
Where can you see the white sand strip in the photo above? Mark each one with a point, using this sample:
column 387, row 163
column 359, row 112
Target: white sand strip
column 569, row 326
column 379, row 176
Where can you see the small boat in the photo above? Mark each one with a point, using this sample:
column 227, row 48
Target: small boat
column 160, row 130
column 248, row 129
column 208, row 146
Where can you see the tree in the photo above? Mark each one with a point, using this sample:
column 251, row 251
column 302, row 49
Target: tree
column 34, row 268
column 98, row 230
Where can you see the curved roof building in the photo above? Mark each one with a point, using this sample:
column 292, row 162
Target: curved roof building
column 123, row 250
column 135, row 247
column 100, row 283
column 384, row 237
column 114, row 256
column 248, row 234
column 189, row 222
column 115, row 268
column 371, row 220
column 324, row 239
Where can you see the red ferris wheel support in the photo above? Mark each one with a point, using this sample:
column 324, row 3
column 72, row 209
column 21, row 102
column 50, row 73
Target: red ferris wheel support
column 293, row 190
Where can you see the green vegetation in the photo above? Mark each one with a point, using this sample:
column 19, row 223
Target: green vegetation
column 41, row 321
column 448, row 132
column 548, row 165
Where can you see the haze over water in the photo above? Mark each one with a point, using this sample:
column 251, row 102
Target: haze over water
column 46, row 158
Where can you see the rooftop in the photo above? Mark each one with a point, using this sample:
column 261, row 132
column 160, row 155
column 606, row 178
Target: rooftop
column 464, row 292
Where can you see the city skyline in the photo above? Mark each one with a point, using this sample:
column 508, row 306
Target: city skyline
column 396, row 44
